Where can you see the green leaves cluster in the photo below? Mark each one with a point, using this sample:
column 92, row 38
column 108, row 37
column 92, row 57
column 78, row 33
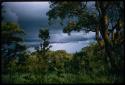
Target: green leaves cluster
column 11, row 43
column 86, row 66
column 44, row 41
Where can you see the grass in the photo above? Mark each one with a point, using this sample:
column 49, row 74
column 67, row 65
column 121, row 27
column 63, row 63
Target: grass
column 53, row 78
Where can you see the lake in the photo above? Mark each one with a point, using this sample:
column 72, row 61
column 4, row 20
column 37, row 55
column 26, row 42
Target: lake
column 70, row 47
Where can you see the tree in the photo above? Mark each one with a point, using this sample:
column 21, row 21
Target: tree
column 11, row 42
column 107, row 17
column 44, row 36
column 42, row 50
column 110, row 13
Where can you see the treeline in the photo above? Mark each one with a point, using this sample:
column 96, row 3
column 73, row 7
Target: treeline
column 86, row 66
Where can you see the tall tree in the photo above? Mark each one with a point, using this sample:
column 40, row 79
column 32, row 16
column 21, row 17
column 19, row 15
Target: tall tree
column 11, row 42
column 42, row 50
column 44, row 43
column 106, row 20
column 12, row 46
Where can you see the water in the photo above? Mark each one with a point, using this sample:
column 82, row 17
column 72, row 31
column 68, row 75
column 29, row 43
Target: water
column 70, row 47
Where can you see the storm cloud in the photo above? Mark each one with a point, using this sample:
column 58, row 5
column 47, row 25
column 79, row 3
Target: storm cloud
column 31, row 16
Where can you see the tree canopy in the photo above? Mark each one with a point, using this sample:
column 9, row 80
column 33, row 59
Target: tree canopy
column 106, row 21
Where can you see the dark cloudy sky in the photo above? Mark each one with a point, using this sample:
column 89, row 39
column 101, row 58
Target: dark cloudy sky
column 31, row 16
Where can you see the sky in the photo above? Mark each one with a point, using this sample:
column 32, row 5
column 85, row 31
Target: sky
column 31, row 16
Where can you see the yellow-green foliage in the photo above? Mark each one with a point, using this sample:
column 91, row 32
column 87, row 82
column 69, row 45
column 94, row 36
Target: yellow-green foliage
column 12, row 66
column 87, row 66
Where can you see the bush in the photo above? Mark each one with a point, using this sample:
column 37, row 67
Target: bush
column 87, row 66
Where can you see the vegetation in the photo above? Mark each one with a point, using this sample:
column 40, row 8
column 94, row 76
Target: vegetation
column 86, row 66
column 11, row 43
column 106, row 18
column 100, row 62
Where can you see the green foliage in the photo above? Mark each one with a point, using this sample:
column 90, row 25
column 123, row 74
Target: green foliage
column 86, row 66
column 44, row 43
column 12, row 43
column 77, row 10
column 44, row 34
column 90, row 65
column 57, row 60
column 63, row 9
column 106, row 19
column 58, row 67
column 66, row 78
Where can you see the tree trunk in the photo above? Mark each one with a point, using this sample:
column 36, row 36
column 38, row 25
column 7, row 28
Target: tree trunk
column 105, row 34
column 99, row 40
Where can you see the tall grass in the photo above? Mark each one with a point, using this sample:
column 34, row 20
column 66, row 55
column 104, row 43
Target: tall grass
column 52, row 78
